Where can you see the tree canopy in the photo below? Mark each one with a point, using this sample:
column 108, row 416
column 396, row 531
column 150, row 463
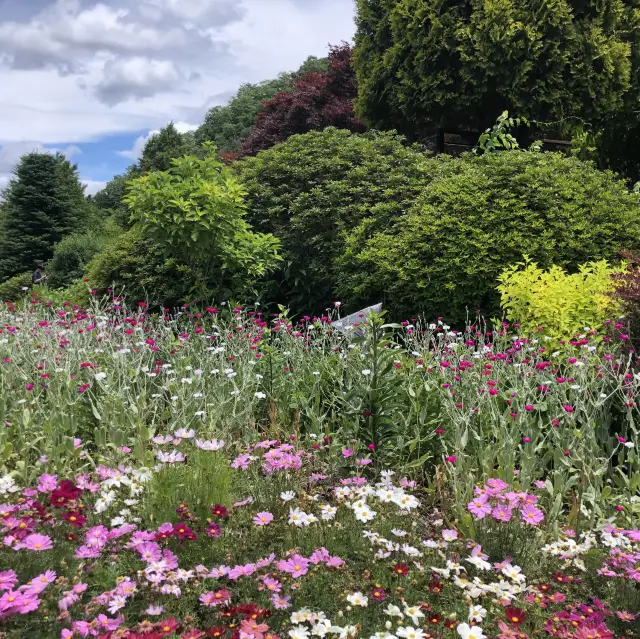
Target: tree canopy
column 318, row 100
column 422, row 64
column 44, row 202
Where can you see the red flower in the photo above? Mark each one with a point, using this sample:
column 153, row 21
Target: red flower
column 515, row 615
column 401, row 569
column 66, row 491
column 219, row 511
column 76, row 519
column 435, row 619
column 216, row 632
column 168, row 626
column 436, row 587
column 378, row 594
column 182, row 531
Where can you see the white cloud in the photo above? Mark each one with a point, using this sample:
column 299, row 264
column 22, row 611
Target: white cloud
column 138, row 146
column 93, row 186
column 77, row 70
column 137, row 78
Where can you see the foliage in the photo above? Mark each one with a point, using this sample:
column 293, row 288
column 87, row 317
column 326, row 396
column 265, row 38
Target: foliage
column 627, row 292
column 498, row 137
column 165, row 146
column 555, row 303
column 422, row 64
column 44, row 201
column 14, row 288
column 196, row 212
column 73, row 253
column 312, row 189
column 228, row 126
column 135, row 266
column 476, row 217
column 110, row 199
column 317, row 101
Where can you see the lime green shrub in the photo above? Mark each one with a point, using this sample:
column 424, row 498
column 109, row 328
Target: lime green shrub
column 195, row 212
column 556, row 303
column 477, row 216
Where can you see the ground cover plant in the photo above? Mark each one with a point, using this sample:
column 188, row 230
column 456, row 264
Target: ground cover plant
column 221, row 472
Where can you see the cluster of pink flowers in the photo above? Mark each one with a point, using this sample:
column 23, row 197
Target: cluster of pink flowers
column 495, row 499
column 25, row 598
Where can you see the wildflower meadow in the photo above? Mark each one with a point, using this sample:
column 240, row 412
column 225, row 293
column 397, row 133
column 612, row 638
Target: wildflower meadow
column 228, row 473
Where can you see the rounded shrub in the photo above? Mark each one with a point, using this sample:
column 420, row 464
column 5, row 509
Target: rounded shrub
column 15, row 287
column 73, row 253
column 479, row 215
column 135, row 266
column 312, row 189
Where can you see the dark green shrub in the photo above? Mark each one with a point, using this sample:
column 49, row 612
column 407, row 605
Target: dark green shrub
column 15, row 287
column 312, row 189
column 478, row 215
column 136, row 267
column 72, row 255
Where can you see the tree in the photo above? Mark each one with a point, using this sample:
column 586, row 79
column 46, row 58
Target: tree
column 44, row 202
column 195, row 211
column 168, row 144
column 110, row 200
column 479, row 215
column 423, row 64
column 229, row 126
column 318, row 100
column 312, row 189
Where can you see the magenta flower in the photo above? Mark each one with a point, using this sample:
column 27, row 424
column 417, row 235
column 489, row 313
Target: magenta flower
column 8, row 579
column 568, row 409
column 479, row 507
column 532, row 515
column 529, row 407
column 347, row 452
column 263, row 518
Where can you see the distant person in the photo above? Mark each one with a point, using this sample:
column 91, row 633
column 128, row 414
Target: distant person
column 38, row 276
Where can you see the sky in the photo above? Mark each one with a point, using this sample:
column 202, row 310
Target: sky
column 93, row 79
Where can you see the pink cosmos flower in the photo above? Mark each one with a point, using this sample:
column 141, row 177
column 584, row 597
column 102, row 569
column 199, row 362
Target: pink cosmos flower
column 334, row 562
column 47, row 483
column 8, row 579
column 347, row 452
column 263, row 518
column 280, row 602
column 449, row 535
column 216, row 598
column 241, row 462
column 35, row 542
column 532, row 515
column 296, row 565
column 501, row 513
column 479, row 507
column 271, row 584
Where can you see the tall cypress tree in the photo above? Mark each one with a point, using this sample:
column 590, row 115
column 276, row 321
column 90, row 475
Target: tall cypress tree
column 43, row 202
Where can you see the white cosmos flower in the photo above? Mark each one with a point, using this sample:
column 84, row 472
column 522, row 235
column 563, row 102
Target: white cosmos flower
column 288, row 495
column 185, row 434
column 470, row 632
column 477, row 613
column 327, row 513
column 358, row 599
column 408, row 632
column 393, row 611
column 298, row 632
column 414, row 613
column 363, row 513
